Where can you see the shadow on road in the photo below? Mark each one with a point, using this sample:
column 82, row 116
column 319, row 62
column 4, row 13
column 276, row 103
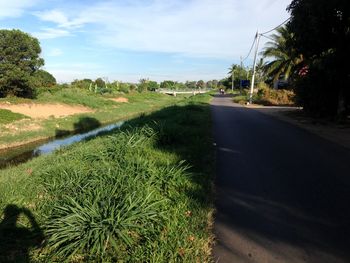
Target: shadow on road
column 281, row 188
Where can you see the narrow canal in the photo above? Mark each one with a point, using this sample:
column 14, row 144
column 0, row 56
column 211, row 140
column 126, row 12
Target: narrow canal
column 24, row 153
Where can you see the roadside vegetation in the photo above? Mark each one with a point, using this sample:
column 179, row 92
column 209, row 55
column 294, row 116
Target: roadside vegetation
column 304, row 62
column 138, row 194
column 266, row 96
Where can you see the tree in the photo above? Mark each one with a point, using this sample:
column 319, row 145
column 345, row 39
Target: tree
column 42, row 78
column 212, row 84
column 82, row 83
column 167, row 84
column 19, row 60
column 322, row 34
column 232, row 71
column 285, row 57
column 200, row 84
column 100, row 83
column 190, row 84
column 152, row 85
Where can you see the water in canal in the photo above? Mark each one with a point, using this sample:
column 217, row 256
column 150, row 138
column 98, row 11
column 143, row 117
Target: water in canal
column 29, row 151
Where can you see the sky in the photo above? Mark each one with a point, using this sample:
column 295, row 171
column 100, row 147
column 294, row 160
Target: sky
column 128, row 40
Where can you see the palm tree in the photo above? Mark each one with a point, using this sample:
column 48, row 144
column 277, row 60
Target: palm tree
column 232, row 71
column 285, row 59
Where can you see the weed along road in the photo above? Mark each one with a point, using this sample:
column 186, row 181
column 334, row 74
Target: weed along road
column 282, row 193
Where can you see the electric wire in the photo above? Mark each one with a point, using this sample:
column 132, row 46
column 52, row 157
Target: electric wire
column 251, row 48
column 285, row 21
column 268, row 37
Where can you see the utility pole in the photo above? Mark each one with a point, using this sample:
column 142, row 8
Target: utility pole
column 257, row 36
column 233, row 74
column 240, row 77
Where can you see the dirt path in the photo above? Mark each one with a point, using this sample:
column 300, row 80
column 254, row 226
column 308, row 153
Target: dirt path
column 45, row 110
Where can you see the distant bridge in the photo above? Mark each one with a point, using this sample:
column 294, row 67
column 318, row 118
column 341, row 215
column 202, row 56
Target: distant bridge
column 175, row 92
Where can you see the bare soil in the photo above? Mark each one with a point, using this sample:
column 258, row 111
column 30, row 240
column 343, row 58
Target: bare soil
column 120, row 99
column 45, row 110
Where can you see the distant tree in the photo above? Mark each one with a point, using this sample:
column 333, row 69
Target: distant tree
column 124, row 87
column 167, row 84
column 225, row 83
column 19, row 60
column 180, row 86
column 190, row 84
column 212, row 84
column 99, row 82
column 152, row 85
column 200, row 84
column 234, row 73
column 82, row 83
column 43, row 78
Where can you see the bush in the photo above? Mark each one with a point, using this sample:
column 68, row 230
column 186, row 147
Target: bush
column 268, row 96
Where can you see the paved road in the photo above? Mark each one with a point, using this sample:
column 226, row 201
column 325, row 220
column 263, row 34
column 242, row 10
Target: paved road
column 282, row 193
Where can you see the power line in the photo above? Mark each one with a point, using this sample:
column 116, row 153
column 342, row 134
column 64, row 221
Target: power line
column 268, row 37
column 251, row 48
column 285, row 21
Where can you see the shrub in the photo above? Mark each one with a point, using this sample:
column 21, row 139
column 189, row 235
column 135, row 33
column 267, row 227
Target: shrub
column 268, row 96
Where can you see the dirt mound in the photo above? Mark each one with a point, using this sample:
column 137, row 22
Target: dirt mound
column 45, row 110
column 120, row 99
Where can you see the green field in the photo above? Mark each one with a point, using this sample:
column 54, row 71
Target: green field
column 105, row 111
column 139, row 194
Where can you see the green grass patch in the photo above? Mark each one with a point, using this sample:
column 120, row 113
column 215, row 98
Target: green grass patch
column 7, row 116
column 74, row 96
column 139, row 194
column 105, row 111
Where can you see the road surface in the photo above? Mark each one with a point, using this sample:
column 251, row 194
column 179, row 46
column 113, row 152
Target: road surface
column 282, row 193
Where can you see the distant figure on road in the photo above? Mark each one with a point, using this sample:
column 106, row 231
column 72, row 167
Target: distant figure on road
column 222, row 91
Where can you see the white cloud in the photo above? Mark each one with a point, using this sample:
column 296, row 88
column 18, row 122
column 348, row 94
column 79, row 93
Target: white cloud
column 48, row 33
column 54, row 16
column 14, row 8
column 205, row 28
column 55, row 52
column 61, row 19
column 68, row 72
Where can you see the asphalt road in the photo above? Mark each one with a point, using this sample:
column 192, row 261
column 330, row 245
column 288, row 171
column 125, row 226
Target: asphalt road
column 282, row 193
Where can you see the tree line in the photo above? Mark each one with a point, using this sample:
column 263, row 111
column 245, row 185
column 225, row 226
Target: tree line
column 310, row 55
column 21, row 72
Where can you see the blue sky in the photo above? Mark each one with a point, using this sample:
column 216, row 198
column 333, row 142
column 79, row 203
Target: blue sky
column 132, row 39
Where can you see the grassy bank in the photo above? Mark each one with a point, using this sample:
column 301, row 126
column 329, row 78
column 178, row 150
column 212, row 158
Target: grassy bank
column 140, row 194
column 7, row 116
column 104, row 111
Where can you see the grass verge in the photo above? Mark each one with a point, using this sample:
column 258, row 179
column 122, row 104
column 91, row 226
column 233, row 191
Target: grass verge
column 139, row 194
column 7, row 116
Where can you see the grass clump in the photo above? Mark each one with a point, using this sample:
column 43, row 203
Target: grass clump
column 7, row 116
column 139, row 194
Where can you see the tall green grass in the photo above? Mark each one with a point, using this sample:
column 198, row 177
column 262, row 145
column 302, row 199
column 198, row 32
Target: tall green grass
column 139, row 194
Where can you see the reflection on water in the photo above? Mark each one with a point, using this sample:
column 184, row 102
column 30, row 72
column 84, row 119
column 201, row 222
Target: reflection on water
column 23, row 154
